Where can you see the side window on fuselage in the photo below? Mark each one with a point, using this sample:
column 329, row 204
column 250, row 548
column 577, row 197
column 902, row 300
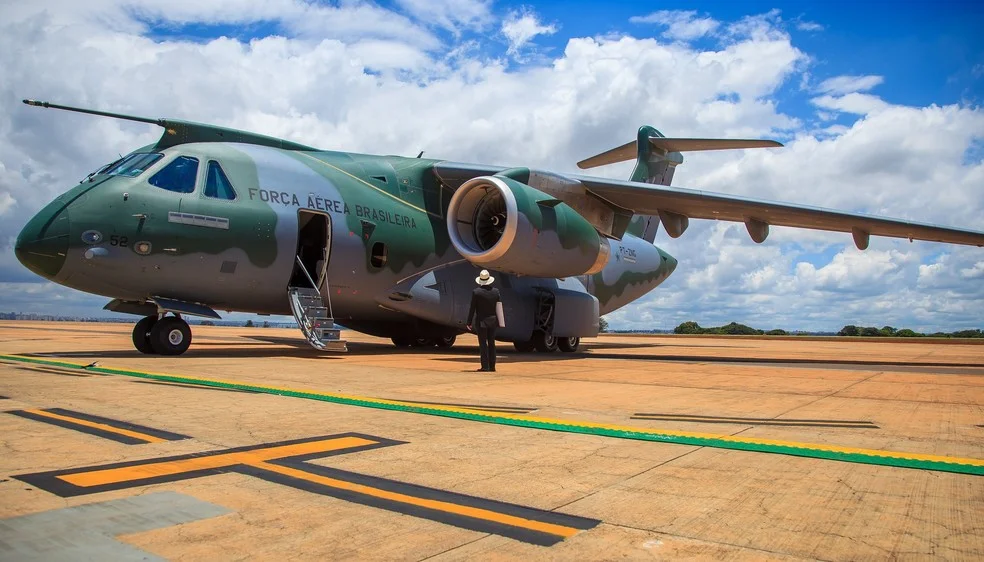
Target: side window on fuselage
column 217, row 184
column 179, row 176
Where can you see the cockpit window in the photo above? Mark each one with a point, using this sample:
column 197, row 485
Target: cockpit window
column 217, row 184
column 179, row 176
column 133, row 165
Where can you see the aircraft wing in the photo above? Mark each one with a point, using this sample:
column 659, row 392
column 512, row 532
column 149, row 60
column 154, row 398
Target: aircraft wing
column 675, row 205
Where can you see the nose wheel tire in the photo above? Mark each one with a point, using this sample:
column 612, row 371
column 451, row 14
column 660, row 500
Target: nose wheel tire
column 141, row 334
column 569, row 345
column 170, row 336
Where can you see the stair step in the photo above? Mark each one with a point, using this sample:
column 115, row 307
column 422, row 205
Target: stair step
column 338, row 346
column 313, row 319
column 329, row 334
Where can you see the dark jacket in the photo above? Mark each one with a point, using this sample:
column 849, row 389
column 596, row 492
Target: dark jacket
column 483, row 307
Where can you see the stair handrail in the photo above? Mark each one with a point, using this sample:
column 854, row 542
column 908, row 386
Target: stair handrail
column 303, row 322
column 315, row 285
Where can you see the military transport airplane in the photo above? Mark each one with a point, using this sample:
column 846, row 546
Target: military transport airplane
column 210, row 218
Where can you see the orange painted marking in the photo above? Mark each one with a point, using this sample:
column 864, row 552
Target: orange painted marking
column 168, row 468
column 97, row 425
column 446, row 507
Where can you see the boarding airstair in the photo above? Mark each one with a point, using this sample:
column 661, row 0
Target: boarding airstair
column 314, row 319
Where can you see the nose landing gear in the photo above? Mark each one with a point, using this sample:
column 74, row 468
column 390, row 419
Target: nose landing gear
column 168, row 335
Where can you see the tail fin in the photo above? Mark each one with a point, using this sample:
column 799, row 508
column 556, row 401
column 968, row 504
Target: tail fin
column 656, row 159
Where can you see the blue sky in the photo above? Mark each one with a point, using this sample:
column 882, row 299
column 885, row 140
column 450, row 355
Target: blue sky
column 879, row 104
column 929, row 52
column 933, row 48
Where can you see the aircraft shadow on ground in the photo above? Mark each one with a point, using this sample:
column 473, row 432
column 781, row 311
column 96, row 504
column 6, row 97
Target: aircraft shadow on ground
column 621, row 345
column 240, row 352
column 516, row 357
column 298, row 348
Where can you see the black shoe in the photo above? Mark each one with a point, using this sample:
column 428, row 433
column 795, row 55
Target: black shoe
column 481, row 370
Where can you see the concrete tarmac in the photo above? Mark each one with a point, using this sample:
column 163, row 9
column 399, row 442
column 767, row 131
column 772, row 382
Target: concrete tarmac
column 237, row 470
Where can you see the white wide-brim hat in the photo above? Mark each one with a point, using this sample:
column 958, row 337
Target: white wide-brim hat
column 484, row 278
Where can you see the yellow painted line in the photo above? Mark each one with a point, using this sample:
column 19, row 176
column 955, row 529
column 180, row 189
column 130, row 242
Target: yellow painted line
column 739, row 421
column 96, row 425
column 447, row 507
column 168, row 468
column 756, row 441
column 364, row 182
column 561, row 421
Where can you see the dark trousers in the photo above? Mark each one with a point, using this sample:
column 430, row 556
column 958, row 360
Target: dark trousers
column 486, row 344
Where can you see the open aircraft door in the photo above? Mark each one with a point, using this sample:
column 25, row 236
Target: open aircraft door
column 308, row 289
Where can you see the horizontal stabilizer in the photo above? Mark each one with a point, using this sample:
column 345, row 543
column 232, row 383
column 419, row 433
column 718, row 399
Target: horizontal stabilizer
column 629, row 151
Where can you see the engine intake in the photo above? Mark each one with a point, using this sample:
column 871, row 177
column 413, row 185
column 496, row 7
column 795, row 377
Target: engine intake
column 501, row 224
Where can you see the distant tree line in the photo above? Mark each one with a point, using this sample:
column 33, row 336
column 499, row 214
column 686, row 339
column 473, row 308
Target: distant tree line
column 890, row 332
column 732, row 329
column 736, row 329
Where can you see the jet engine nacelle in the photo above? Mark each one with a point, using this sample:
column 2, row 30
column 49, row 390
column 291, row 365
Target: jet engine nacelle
column 501, row 224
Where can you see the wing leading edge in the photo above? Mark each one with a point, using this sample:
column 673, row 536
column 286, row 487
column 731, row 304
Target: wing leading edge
column 676, row 205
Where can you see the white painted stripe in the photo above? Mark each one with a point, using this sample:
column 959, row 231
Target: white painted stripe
column 198, row 220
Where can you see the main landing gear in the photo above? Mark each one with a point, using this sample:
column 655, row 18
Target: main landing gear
column 546, row 343
column 542, row 340
column 164, row 335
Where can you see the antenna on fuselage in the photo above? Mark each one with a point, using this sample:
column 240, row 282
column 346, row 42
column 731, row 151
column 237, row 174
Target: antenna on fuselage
column 421, row 154
column 180, row 132
column 45, row 104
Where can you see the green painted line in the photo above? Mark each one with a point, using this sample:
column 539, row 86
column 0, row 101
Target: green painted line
column 818, row 451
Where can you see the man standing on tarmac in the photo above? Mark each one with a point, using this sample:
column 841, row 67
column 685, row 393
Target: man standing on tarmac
column 483, row 309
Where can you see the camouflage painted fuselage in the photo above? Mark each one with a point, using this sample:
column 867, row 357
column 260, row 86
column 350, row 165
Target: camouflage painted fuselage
column 239, row 255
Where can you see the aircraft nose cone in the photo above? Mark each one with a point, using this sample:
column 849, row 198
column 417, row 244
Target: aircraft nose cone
column 43, row 243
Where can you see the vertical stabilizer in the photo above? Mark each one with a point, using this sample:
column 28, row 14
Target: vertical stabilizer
column 657, row 157
column 653, row 164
